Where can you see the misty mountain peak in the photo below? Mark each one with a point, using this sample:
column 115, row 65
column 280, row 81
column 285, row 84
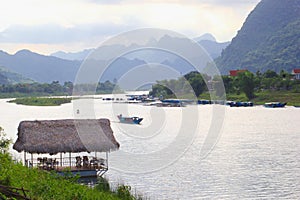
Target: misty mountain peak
column 24, row 52
column 206, row 36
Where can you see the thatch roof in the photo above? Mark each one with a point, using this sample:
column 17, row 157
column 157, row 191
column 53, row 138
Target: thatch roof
column 69, row 135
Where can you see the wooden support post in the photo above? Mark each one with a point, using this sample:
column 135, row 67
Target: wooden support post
column 61, row 159
column 107, row 160
column 31, row 160
column 24, row 158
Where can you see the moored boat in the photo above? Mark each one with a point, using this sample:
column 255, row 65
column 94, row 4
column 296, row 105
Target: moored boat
column 130, row 120
column 173, row 103
column 204, row 102
column 239, row 104
column 275, row 105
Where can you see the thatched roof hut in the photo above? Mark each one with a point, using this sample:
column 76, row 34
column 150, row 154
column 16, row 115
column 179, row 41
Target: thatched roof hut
column 69, row 135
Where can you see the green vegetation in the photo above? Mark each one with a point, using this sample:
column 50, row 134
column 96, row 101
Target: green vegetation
column 53, row 89
column 192, row 84
column 292, row 98
column 4, row 141
column 41, row 101
column 43, row 185
column 259, row 88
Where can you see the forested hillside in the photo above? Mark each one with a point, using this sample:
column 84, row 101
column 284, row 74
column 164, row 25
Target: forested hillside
column 269, row 39
column 8, row 77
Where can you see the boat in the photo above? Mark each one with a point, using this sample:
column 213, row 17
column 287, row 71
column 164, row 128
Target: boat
column 239, row 104
column 275, row 105
column 130, row 120
column 173, row 103
column 204, row 102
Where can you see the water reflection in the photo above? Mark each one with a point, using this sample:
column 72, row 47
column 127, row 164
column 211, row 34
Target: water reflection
column 257, row 156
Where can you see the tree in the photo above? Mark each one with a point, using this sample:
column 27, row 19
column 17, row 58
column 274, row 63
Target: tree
column 197, row 82
column 285, row 75
column 247, row 84
column 198, row 85
column 4, row 142
column 68, row 87
column 161, row 90
column 270, row 74
column 228, row 83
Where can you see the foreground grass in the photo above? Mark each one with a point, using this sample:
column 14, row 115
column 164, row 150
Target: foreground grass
column 41, row 101
column 43, row 185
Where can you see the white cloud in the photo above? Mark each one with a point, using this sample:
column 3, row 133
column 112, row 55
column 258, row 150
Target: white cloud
column 56, row 34
column 55, row 22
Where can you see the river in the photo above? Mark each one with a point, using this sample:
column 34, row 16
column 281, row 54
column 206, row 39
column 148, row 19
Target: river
column 255, row 154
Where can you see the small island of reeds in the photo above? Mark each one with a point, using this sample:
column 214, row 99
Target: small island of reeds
column 41, row 101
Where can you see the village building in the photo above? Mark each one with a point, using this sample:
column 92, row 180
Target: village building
column 296, row 74
column 236, row 72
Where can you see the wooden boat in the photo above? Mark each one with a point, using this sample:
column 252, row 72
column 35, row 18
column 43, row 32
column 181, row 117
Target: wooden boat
column 130, row 120
column 275, row 105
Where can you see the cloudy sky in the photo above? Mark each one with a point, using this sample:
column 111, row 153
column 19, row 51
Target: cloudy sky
column 47, row 26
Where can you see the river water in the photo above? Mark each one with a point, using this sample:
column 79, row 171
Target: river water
column 254, row 155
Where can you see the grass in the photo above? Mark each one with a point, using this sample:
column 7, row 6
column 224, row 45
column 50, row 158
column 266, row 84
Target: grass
column 42, row 185
column 229, row 96
column 292, row 98
column 41, row 101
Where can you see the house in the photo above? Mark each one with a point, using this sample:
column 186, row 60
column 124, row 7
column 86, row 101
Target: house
column 296, row 74
column 235, row 72
column 66, row 137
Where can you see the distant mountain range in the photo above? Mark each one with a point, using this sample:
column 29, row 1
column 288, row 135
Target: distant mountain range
column 72, row 56
column 26, row 66
column 206, row 36
column 207, row 41
column 214, row 49
column 269, row 39
column 38, row 67
column 45, row 69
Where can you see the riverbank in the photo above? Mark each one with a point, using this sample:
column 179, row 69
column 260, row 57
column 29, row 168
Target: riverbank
column 292, row 98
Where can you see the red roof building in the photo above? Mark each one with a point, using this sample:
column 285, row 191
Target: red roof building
column 296, row 73
column 235, row 72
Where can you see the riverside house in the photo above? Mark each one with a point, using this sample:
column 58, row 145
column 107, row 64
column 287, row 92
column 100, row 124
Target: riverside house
column 296, row 74
column 235, row 72
column 43, row 140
